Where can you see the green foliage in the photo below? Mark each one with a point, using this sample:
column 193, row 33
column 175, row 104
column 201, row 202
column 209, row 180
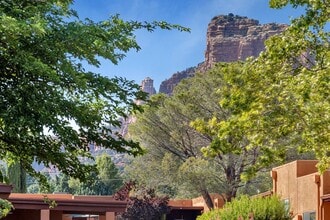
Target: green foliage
column 244, row 208
column 301, row 83
column 168, row 126
column 17, row 177
column 51, row 107
column 279, row 102
column 156, row 173
column 5, row 208
column 105, row 181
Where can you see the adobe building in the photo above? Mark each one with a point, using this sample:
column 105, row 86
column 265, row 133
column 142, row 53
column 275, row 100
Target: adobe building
column 299, row 185
column 70, row 207
column 303, row 189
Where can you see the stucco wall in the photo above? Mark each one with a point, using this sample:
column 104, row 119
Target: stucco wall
column 295, row 182
column 286, row 183
column 325, row 183
column 307, row 194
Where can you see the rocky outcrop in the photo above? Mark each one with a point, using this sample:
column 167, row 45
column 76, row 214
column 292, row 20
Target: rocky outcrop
column 168, row 85
column 147, row 85
column 231, row 38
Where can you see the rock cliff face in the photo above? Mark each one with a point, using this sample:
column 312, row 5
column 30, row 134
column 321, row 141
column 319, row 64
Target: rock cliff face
column 168, row 85
column 229, row 38
column 147, row 85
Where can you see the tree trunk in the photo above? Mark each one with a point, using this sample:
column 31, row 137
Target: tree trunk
column 207, row 198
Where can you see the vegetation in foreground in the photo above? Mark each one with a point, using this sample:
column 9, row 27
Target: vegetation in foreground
column 244, row 208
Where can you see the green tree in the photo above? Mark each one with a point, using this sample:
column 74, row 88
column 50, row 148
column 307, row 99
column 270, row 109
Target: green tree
column 51, row 107
column 105, row 181
column 108, row 173
column 165, row 127
column 280, row 101
column 301, row 83
column 17, row 177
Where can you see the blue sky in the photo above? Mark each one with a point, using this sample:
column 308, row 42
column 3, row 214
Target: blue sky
column 166, row 52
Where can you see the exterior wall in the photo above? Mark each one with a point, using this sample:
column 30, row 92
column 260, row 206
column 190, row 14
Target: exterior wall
column 305, row 167
column 56, row 215
column 217, row 199
column 326, row 211
column 180, row 203
column 307, row 193
column 325, row 183
column 298, row 183
column 24, row 214
column 285, row 184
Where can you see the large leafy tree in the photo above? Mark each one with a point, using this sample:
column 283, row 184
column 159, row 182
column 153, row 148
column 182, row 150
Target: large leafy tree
column 297, row 103
column 51, row 107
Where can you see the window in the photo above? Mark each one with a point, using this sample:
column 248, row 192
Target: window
column 309, row 215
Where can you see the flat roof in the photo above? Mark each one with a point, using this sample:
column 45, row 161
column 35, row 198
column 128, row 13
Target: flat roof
column 68, row 203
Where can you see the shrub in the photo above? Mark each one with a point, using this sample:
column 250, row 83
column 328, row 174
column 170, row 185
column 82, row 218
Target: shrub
column 267, row 208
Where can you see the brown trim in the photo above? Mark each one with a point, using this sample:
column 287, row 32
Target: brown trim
column 200, row 208
column 326, row 198
column 70, row 205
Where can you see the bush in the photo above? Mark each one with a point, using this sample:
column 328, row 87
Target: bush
column 267, row 208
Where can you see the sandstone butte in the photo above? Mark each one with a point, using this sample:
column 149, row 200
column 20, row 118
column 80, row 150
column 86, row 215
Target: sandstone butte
column 229, row 38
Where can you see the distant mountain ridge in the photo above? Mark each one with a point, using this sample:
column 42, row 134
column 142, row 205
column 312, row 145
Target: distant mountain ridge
column 229, row 38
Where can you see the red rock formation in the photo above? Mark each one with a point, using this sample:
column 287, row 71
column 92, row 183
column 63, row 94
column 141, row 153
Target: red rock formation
column 147, row 86
column 167, row 86
column 229, row 38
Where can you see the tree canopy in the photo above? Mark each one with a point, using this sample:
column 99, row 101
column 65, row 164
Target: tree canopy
column 174, row 161
column 51, row 107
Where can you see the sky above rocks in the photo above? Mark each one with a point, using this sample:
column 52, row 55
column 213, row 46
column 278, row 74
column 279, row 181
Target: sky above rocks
column 166, row 52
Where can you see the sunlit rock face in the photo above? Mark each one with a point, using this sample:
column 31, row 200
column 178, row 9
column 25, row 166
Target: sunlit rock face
column 231, row 38
column 147, row 86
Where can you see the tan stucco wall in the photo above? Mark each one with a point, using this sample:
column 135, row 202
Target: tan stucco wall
column 286, row 183
column 307, row 194
column 295, row 182
column 217, row 199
